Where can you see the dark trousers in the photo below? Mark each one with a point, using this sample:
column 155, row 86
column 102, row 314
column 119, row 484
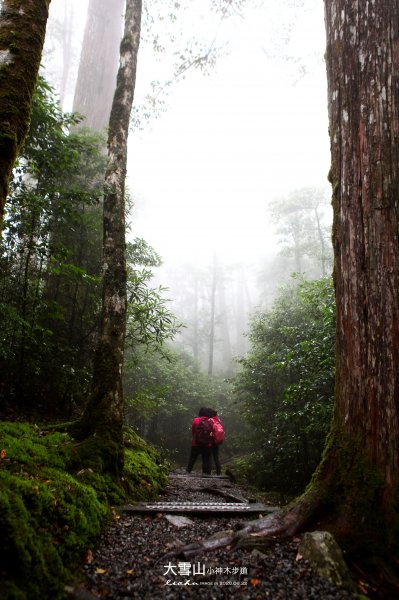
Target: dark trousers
column 206, row 458
column 215, row 454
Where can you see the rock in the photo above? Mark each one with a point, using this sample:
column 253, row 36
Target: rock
column 79, row 593
column 258, row 554
column 324, row 555
column 179, row 521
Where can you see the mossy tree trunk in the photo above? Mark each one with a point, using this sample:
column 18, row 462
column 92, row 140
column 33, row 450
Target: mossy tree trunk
column 102, row 421
column 22, row 32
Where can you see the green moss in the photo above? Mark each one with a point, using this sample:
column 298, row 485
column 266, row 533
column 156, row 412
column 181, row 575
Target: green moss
column 52, row 510
column 350, row 489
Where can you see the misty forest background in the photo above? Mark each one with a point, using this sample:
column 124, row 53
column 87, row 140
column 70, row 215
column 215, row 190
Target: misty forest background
column 250, row 335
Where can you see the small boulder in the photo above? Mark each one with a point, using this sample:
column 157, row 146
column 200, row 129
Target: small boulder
column 179, row 521
column 324, row 555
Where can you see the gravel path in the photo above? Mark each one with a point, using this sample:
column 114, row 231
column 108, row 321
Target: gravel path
column 129, row 559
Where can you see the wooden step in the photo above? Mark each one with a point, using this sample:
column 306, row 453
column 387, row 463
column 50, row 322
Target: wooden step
column 197, row 476
column 196, row 508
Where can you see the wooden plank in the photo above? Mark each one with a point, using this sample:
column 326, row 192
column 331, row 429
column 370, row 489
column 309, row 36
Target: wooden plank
column 195, row 508
column 199, row 476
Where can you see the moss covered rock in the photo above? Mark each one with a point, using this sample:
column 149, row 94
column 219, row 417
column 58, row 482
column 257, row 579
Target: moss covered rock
column 52, row 510
column 324, row 555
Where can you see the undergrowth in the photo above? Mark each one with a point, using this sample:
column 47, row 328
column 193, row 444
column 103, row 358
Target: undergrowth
column 51, row 512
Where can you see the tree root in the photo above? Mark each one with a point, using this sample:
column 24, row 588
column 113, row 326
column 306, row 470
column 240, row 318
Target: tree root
column 281, row 524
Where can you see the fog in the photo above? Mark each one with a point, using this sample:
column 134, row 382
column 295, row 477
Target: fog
column 226, row 144
column 251, row 131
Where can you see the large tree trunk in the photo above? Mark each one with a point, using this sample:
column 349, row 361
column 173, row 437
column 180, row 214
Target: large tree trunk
column 103, row 417
column 356, row 485
column 363, row 91
column 22, row 31
column 98, row 64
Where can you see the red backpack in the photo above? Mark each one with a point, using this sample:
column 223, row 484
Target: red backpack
column 218, row 431
column 204, row 432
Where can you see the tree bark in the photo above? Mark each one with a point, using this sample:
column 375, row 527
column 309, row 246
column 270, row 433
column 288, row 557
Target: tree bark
column 22, row 32
column 363, row 91
column 355, row 487
column 103, row 417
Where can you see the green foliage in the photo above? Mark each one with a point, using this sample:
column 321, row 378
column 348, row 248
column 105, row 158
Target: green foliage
column 51, row 511
column 50, row 269
column 286, row 385
column 149, row 322
column 49, row 290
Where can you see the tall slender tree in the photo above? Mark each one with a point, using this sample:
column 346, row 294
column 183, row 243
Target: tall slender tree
column 22, row 31
column 103, row 417
column 212, row 315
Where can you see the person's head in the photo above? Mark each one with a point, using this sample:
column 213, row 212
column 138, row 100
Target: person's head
column 207, row 412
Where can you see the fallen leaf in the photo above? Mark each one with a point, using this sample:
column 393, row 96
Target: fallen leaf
column 100, row 571
column 298, row 557
column 254, row 581
column 3, row 453
column 130, row 571
column 89, row 556
column 362, row 587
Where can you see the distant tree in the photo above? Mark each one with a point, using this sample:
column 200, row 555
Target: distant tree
column 212, row 315
column 22, row 32
column 104, row 414
column 303, row 231
column 98, row 64
column 67, row 50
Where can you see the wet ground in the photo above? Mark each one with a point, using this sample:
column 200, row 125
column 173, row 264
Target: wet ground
column 130, row 560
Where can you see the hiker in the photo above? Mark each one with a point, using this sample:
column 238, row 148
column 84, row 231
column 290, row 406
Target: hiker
column 217, row 438
column 202, row 433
